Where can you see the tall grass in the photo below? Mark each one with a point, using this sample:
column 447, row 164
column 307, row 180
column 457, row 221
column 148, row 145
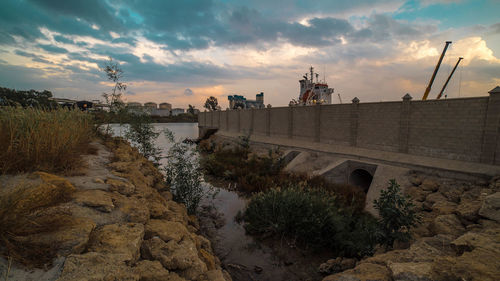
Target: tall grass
column 37, row 139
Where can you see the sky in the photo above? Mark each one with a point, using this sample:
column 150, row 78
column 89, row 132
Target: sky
column 184, row 51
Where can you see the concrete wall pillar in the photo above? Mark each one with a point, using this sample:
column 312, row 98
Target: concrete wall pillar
column 317, row 123
column 268, row 121
column 290, row 122
column 227, row 120
column 354, row 121
column 491, row 138
column 218, row 118
column 404, row 124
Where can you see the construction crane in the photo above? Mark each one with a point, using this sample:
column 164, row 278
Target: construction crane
column 340, row 99
column 449, row 77
column 435, row 71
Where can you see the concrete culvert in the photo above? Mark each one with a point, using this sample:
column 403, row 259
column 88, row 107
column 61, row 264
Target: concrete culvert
column 361, row 178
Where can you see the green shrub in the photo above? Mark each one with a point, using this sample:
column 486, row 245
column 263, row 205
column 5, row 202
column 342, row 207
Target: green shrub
column 183, row 174
column 48, row 140
column 397, row 215
column 142, row 135
column 313, row 217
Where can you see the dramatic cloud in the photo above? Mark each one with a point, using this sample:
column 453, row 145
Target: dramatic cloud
column 373, row 50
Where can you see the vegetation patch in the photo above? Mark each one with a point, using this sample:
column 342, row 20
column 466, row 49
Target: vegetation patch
column 256, row 173
column 312, row 217
column 47, row 140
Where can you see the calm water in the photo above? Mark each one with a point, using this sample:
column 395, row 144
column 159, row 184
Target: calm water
column 242, row 255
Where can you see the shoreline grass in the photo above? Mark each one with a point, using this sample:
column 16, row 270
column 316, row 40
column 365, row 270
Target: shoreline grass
column 45, row 140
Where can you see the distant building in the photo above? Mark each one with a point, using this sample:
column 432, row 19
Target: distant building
column 177, row 111
column 134, row 104
column 196, row 111
column 236, row 101
column 150, row 106
column 165, row 105
column 162, row 112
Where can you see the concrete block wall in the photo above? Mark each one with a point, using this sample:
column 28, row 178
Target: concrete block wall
column 335, row 126
column 378, row 125
column 466, row 129
column 302, row 119
column 279, row 125
column 246, row 121
column 260, row 122
column 450, row 128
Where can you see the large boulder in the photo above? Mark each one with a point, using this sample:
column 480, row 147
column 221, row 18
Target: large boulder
column 362, row 272
column 416, row 193
column 133, row 208
column 154, row 271
column 122, row 187
column 468, row 210
column 411, row 271
column 174, row 255
column 447, row 224
column 430, row 185
column 479, row 264
column 96, row 266
column 122, row 240
column 94, row 198
column 166, row 230
column 491, row 207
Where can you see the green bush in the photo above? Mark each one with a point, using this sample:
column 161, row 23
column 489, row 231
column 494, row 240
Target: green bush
column 313, row 217
column 397, row 215
column 183, row 174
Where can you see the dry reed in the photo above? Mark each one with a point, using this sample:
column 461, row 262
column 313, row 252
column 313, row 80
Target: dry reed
column 47, row 140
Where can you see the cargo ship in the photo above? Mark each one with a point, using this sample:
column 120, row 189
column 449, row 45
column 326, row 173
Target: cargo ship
column 313, row 92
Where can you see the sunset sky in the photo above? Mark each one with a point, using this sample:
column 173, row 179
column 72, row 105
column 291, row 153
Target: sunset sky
column 183, row 51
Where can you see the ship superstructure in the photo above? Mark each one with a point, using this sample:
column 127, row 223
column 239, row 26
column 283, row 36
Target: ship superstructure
column 313, row 92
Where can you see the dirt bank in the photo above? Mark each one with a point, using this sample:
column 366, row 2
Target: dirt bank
column 120, row 224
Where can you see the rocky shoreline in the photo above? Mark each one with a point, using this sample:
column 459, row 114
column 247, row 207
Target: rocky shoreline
column 122, row 224
column 459, row 238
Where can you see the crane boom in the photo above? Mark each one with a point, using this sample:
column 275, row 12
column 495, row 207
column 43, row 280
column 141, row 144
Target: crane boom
column 449, row 77
column 435, row 71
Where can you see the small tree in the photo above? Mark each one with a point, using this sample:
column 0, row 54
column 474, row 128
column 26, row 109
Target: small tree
column 141, row 133
column 397, row 215
column 114, row 74
column 190, row 109
column 211, row 103
column 183, row 174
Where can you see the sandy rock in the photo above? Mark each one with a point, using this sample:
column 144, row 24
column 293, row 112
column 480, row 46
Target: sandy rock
column 489, row 240
column 452, row 192
column 363, row 272
column 213, row 275
column 415, row 180
column 479, row 264
column 179, row 256
column 167, row 195
column 94, row 198
column 491, row 207
column 134, row 209
column 208, row 258
column 411, row 271
column 177, row 212
column 468, row 210
column 416, row 193
column 123, row 187
column 98, row 180
column 430, row 185
column 435, row 197
column 166, row 230
column 120, row 166
column 122, row 240
column 444, row 207
column 330, row 266
column 96, row 266
column 447, row 224
column 154, row 271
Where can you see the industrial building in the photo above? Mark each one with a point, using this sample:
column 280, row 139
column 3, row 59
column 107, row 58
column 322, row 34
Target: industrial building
column 237, row 101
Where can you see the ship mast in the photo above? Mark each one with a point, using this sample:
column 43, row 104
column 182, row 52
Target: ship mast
column 312, row 74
